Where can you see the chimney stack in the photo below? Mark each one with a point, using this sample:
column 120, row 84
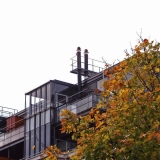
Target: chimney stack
column 79, row 68
column 86, row 63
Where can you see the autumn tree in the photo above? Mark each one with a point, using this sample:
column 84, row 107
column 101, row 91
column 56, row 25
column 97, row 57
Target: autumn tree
column 125, row 124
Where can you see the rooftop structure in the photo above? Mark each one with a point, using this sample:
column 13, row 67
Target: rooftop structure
column 39, row 124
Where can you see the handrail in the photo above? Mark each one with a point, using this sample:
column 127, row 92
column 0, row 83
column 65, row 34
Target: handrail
column 74, row 95
column 91, row 63
column 77, row 107
column 88, row 58
column 11, row 136
column 5, row 110
column 11, row 125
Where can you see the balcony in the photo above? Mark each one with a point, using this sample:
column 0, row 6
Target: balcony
column 11, row 136
column 37, row 108
column 79, row 107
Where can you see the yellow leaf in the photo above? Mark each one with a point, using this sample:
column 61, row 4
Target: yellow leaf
column 157, row 70
column 33, row 147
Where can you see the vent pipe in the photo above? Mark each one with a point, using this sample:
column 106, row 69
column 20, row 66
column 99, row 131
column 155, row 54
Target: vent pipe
column 79, row 68
column 86, row 63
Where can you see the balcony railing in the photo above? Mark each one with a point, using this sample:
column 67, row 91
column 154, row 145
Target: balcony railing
column 38, row 107
column 93, row 65
column 65, row 145
column 11, row 136
column 7, row 112
column 79, row 107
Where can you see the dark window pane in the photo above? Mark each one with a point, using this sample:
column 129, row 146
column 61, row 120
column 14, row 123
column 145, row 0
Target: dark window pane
column 32, row 143
column 48, row 134
column 42, row 118
column 27, row 144
column 48, row 92
column 47, row 116
column 27, row 125
column 37, row 121
column 32, row 123
column 42, row 138
column 37, row 140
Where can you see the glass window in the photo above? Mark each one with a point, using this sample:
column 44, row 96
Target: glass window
column 48, row 134
column 42, row 118
column 27, row 144
column 48, row 92
column 27, row 125
column 32, row 123
column 52, row 116
column 42, row 138
column 37, row 121
column 37, row 140
column 32, row 143
column 27, row 101
column 47, row 116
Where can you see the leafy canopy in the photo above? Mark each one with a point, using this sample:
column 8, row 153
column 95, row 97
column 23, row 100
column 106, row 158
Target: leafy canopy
column 125, row 124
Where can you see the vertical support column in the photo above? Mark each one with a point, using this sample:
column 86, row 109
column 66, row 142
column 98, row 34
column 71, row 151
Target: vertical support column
column 8, row 153
column 79, row 68
column 86, row 63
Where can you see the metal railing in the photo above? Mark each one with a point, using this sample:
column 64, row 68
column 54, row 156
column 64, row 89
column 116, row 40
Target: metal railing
column 79, row 106
column 11, row 136
column 7, row 112
column 38, row 107
column 93, row 65
column 74, row 97
column 65, row 145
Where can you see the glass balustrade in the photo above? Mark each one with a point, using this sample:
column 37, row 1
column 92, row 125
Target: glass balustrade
column 11, row 136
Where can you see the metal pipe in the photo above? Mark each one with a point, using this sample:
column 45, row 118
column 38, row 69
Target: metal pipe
column 86, row 63
column 79, row 68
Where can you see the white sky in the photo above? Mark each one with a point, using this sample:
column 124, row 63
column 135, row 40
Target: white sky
column 38, row 38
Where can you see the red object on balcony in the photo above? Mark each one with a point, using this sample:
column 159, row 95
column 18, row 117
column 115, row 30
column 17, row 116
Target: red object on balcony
column 14, row 122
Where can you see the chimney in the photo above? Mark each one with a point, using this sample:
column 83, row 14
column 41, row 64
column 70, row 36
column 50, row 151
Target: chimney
column 86, row 63
column 79, row 68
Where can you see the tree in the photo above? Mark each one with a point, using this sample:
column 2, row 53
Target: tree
column 125, row 124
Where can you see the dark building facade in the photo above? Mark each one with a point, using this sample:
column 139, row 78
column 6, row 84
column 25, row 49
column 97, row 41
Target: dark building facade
column 39, row 123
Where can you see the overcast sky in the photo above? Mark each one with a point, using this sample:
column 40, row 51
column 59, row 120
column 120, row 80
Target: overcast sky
column 38, row 38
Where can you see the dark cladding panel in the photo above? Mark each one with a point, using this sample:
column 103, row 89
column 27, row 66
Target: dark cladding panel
column 34, row 94
column 59, row 88
column 39, row 93
column 44, row 92
column 27, row 145
column 48, row 92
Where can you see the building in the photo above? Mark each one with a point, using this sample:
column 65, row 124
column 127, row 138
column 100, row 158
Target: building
column 39, row 123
